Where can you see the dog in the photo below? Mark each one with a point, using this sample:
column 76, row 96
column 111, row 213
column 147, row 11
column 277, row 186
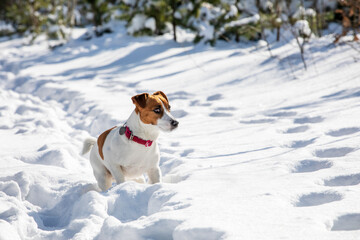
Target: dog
column 128, row 152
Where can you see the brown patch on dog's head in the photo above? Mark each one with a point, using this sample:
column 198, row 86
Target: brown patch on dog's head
column 162, row 95
column 151, row 107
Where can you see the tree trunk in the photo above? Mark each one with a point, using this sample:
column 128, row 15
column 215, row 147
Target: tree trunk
column 70, row 14
column 173, row 6
column 277, row 6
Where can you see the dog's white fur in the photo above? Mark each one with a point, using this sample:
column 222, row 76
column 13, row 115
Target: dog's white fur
column 125, row 159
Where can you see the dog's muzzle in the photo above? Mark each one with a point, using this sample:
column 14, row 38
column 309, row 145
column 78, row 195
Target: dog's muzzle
column 174, row 124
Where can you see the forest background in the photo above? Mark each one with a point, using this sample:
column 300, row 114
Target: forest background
column 210, row 20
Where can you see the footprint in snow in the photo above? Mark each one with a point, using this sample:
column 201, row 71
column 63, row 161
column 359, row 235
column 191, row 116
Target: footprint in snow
column 317, row 198
column 347, row 222
column 20, row 131
column 345, row 180
column 225, row 109
column 299, row 129
column 304, row 120
column 214, row 97
column 220, row 114
column 5, row 127
column 187, row 152
column 198, row 103
column 283, row 114
column 302, row 143
column 333, row 152
column 311, row 166
column 259, row 121
column 175, row 144
column 343, row 132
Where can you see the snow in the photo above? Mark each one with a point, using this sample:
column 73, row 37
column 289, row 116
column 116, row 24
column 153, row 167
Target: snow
column 138, row 22
column 206, row 30
column 150, row 23
column 299, row 12
column 302, row 27
column 130, row 2
column 264, row 149
column 6, row 28
column 243, row 21
column 310, row 12
column 89, row 16
column 177, row 15
column 232, row 12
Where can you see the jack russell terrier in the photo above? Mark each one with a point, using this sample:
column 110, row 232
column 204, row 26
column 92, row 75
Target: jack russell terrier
column 127, row 152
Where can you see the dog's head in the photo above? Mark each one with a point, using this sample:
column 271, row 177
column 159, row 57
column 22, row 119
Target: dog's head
column 154, row 109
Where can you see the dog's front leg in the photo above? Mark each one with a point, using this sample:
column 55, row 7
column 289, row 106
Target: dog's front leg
column 118, row 174
column 154, row 175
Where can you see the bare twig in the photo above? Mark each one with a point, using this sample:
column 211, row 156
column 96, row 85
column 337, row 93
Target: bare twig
column 300, row 45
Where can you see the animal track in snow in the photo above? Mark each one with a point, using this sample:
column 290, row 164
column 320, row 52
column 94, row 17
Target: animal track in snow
column 258, row 121
column 198, row 103
column 343, row 132
column 175, row 144
column 5, row 127
column 187, row 152
column 333, row 152
column 220, row 114
column 283, row 114
column 214, row 97
column 21, row 131
column 302, row 143
column 297, row 129
column 316, row 198
column 225, row 109
column 345, row 180
column 347, row 222
column 304, row 120
column 311, row 166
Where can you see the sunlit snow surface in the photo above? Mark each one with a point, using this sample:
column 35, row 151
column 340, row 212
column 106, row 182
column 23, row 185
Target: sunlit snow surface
column 264, row 149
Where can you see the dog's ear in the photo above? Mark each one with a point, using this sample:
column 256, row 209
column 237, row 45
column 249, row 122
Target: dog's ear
column 140, row 100
column 161, row 94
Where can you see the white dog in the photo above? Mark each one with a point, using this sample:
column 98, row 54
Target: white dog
column 129, row 151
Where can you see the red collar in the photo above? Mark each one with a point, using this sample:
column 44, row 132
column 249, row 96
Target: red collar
column 130, row 136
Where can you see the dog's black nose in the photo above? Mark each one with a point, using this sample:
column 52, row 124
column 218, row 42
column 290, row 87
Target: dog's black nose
column 174, row 123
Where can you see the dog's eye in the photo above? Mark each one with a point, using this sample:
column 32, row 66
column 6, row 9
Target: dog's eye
column 169, row 107
column 157, row 110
